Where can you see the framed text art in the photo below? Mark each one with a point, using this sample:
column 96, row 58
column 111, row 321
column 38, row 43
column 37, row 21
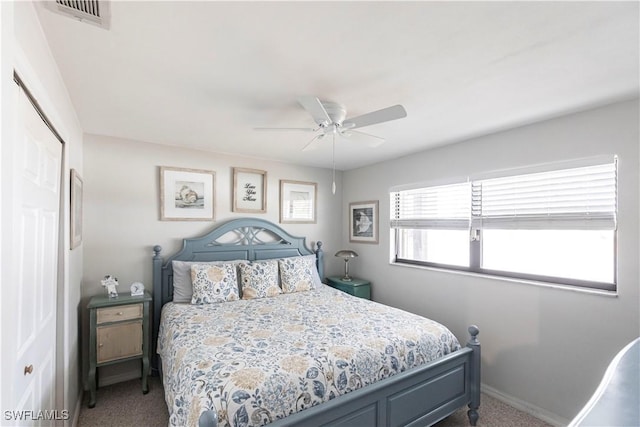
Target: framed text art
column 298, row 202
column 249, row 190
column 76, row 209
column 187, row 194
column 363, row 222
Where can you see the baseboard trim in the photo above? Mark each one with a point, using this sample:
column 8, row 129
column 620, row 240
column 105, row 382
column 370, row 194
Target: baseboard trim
column 521, row 405
column 76, row 414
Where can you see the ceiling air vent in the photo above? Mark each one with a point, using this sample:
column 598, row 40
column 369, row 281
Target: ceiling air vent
column 90, row 11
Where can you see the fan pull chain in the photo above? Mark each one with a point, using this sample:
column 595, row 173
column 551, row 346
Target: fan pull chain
column 333, row 155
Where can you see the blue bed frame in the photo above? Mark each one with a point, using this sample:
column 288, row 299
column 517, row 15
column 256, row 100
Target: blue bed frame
column 420, row 396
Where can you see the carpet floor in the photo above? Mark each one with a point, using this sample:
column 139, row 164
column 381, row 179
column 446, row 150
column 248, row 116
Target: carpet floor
column 124, row 405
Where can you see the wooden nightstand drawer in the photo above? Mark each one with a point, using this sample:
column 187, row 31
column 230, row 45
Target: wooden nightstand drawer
column 120, row 313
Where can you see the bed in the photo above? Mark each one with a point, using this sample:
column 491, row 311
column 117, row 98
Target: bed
column 300, row 352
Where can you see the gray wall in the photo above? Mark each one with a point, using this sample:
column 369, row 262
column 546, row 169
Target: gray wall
column 25, row 50
column 543, row 347
column 122, row 211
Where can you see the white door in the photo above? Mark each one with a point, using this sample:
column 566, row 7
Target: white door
column 37, row 162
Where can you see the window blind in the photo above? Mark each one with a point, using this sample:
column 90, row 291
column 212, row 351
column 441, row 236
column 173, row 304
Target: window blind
column 441, row 207
column 300, row 209
column 577, row 198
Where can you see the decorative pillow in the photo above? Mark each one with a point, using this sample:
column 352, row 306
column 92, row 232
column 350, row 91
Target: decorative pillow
column 259, row 279
column 314, row 271
column 214, row 283
column 296, row 273
column 182, row 285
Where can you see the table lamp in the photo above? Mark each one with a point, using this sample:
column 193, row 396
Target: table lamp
column 346, row 254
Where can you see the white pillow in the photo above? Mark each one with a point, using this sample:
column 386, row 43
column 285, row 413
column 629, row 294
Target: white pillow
column 259, row 279
column 182, row 285
column 214, row 283
column 297, row 273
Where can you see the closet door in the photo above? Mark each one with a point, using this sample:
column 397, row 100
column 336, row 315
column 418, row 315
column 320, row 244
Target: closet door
column 37, row 164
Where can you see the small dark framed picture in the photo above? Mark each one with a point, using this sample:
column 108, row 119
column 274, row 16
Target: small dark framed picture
column 363, row 222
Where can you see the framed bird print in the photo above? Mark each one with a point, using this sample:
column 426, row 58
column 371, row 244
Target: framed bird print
column 363, row 222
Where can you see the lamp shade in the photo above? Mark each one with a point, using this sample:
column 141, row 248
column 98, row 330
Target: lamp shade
column 346, row 253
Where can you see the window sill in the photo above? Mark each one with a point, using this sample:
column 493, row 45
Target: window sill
column 511, row 280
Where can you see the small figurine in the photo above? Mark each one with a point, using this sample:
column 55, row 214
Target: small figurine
column 110, row 283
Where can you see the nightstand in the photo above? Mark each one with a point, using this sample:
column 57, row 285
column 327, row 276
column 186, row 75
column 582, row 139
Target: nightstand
column 119, row 331
column 357, row 287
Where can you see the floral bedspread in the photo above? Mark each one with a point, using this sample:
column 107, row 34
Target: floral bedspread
column 259, row 360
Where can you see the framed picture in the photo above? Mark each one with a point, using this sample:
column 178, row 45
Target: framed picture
column 298, row 202
column 363, row 222
column 249, row 190
column 186, row 194
column 76, row 209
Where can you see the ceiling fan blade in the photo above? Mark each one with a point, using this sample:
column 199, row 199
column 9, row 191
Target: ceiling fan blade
column 372, row 140
column 374, row 117
column 313, row 144
column 314, row 107
column 287, row 129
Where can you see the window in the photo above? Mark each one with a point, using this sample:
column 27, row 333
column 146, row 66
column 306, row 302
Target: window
column 557, row 226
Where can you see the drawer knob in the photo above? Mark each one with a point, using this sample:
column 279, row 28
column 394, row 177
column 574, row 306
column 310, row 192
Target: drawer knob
column 120, row 313
column 28, row 369
column 101, row 345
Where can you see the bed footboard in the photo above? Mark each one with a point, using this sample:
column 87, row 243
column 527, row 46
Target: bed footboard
column 418, row 397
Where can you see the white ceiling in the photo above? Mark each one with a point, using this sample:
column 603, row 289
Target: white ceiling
column 204, row 74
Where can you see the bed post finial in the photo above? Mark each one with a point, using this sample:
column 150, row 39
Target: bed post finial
column 474, row 404
column 320, row 260
column 157, row 305
column 474, row 331
column 208, row 418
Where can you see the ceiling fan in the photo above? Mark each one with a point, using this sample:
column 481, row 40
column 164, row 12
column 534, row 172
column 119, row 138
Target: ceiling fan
column 331, row 120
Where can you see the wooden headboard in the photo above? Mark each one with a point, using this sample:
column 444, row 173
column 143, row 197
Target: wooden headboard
column 244, row 238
